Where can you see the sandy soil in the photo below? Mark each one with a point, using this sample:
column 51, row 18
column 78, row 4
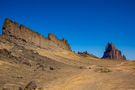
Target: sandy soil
column 62, row 70
column 89, row 80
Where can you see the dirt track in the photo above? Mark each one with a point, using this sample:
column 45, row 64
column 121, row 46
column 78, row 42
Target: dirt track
column 90, row 80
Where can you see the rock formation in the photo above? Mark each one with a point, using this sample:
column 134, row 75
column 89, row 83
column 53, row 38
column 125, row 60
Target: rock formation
column 31, row 86
column 86, row 54
column 112, row 53
column 14, row 32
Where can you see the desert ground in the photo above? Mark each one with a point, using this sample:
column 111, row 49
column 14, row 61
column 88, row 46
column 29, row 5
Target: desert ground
column 60, row 70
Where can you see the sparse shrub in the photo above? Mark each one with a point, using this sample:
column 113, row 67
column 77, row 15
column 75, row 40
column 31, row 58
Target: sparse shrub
column 102, row 70
column 51, row 68
column 89, row 67
column 5, row 89
column 82, row 67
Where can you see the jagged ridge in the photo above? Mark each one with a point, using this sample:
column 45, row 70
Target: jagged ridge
column 113, row 53
column 13, row 32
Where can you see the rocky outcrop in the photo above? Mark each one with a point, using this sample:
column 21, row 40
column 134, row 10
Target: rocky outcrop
column 13, row 32
column 62, row 43
column 86, row 54
column 112, row 53
column 31, row 86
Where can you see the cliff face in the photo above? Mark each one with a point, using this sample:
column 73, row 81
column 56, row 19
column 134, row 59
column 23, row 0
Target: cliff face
column 62, row 43
column 13, row 32
column 112, row 53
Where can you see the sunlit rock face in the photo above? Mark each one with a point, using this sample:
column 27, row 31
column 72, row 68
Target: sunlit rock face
column 113, row 53
column 16, row 33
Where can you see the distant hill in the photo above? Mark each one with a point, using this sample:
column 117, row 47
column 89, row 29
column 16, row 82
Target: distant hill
column 86, row 54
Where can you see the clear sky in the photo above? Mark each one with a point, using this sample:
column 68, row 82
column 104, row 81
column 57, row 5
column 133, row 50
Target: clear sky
column 86, row 24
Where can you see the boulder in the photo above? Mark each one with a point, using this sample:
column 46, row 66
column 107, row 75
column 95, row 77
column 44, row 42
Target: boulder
column 31, row 86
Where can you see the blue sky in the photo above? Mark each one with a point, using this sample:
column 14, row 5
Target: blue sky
column 86, row 24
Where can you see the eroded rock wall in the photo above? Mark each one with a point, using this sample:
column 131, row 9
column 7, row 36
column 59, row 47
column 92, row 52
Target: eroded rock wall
column 13, row 30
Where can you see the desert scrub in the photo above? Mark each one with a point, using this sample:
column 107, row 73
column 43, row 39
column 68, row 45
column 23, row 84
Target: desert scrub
column 102, row 70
